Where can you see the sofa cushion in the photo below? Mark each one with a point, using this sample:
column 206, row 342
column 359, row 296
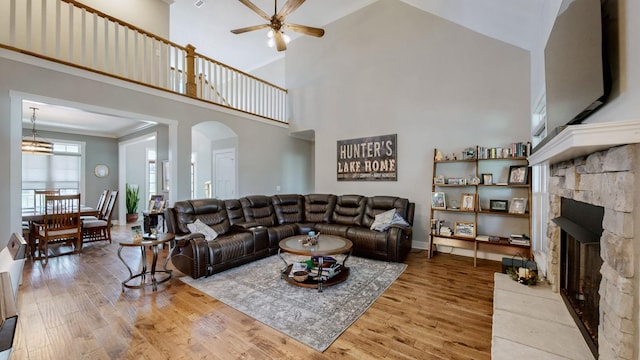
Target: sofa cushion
column 349, row 210
column 369, row 243
column 210, row 211
column 319, row 207
column 332, row 229
column 258, row 209
column 234, row 211
column 230, row 247
column 289, row 208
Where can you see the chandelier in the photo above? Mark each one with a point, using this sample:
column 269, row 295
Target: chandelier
column 34, row 144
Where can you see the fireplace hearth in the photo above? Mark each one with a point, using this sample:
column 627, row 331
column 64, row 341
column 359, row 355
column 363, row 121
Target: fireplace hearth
column 580, row 263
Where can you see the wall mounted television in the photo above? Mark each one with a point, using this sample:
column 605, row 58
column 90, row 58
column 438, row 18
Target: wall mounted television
column 577, row 62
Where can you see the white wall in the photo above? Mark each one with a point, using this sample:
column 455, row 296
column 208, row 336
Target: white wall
column 149, row 15
column 434, row 83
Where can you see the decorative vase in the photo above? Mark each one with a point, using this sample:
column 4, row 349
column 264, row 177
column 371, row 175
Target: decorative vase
column 131, row 218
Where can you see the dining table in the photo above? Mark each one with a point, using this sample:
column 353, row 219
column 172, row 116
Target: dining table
column 33, row 216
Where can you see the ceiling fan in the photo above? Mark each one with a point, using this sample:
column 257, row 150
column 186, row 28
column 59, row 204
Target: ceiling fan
column 277, row 22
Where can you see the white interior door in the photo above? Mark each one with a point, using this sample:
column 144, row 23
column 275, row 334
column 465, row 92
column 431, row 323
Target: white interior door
column 224, row 164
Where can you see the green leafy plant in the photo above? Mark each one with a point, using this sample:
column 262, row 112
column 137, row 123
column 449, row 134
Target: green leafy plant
column 133, row 198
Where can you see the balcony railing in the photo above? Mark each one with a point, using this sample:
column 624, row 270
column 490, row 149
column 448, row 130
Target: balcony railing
column 74, row 34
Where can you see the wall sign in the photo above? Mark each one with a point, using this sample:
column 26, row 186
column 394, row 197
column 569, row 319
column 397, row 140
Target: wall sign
column 368, row 159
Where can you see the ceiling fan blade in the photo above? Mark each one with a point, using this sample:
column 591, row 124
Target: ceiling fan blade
column 288, row 8
column 256, row 9
column 307, row 30
column 280, row 44
column 250, row 28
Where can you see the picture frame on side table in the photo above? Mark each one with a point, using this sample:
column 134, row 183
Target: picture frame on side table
column 438, row 201
column 467, row 202
column 518, row 206
column 518, row 175
column 498, row 205
column 465, row 229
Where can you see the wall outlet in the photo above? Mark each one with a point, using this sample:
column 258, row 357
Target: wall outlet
column 277, row 187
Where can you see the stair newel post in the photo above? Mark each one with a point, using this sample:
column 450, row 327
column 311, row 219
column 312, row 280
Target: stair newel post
column 192, row 88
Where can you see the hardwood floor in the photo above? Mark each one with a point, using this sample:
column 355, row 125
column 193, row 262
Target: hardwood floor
column 73, row 308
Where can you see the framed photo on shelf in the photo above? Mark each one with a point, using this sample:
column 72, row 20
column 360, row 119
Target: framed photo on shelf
column 487, row 179
column 468, row 202
column 156, row 204
column 438, row 201
column 518, row 175
column 518, row 206
column 465, row 229
column 498, row 205
column 438, row 180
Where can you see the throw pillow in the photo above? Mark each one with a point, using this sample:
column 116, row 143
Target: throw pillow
column 399, row 220
column 202, row 228
column 383, row 220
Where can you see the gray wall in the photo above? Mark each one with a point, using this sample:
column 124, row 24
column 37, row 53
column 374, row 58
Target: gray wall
column 262, row 144
column 98, row 150
column 390, row 68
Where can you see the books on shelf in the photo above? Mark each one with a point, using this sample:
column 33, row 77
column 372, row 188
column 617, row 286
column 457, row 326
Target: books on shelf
column 519, row 239
column 517, row 149
column 487, row 238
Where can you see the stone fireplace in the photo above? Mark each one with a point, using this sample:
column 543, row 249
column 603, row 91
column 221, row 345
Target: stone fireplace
column 605, row 178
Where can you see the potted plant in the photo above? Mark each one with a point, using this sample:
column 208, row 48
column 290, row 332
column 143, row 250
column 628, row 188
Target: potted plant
column 132, row 200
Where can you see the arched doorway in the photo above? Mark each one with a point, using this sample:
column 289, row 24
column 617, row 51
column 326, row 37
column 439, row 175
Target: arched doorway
column 213, row 161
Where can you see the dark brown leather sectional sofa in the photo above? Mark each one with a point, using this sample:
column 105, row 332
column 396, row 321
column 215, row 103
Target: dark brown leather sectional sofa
column 251, row 227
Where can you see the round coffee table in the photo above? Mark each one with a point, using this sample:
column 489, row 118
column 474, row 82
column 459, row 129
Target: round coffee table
column 327, row 245
column 153, row 244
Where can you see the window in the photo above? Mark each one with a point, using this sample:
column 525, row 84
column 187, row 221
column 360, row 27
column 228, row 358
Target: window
column 62, row 170
column 152, row 173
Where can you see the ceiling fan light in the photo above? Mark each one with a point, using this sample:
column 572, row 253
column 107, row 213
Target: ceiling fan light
column 271, row 42
column 270, row 34
column 286, row 38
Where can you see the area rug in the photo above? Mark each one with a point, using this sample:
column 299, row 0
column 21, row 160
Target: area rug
column 314, row 318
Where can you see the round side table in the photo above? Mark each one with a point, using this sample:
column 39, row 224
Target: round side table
column 147, row 277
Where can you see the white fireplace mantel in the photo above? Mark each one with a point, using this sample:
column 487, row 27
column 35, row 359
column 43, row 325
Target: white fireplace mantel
column 583, row 139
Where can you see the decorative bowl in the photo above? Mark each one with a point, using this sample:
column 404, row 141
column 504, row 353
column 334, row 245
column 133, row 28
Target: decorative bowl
column 300, row 276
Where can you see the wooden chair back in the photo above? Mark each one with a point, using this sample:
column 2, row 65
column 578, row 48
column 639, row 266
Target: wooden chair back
column 61, row 222
column 102, row 202
column 39, row 198
column 62, row 212
column 109, row 205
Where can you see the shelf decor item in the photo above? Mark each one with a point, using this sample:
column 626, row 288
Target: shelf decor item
column 498, row 205
column 438, row 201
column 465, row 229
column 487, row 179
column 518, row 206
column 518, row 175
column 468, row 202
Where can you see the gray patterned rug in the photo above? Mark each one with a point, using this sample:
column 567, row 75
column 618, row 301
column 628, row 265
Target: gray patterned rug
column 257, row 290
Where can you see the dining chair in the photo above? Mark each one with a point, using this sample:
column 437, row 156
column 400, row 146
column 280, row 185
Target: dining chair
column 100, row 229
column 100, row 207
column 61, row 223
column 39, row 198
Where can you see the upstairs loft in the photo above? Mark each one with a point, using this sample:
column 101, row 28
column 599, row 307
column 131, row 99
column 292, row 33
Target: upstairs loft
column 71, row 33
